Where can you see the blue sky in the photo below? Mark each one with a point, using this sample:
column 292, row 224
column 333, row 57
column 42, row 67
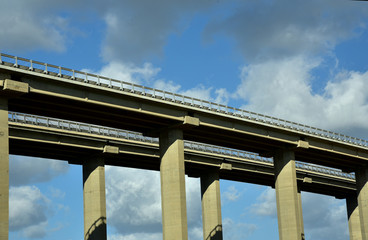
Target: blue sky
column 304, row 61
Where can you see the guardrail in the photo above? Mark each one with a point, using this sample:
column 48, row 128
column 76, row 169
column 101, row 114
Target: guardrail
column 129, row 135
column 93, row 79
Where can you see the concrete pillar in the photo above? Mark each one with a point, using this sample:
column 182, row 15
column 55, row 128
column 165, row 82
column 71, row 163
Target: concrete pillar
column 287, row 199
column 4, row 170
column 173, row 199
column 94, row 200
column 211, row 206
column 301, row 222
column 353, row 217
column 361, row 176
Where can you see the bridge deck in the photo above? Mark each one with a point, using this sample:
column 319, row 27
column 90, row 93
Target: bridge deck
column 74, row 142
column 69, row 94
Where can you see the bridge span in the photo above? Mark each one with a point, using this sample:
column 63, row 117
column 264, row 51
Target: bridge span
column 36, row 88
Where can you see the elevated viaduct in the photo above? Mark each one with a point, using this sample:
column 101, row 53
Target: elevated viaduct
column 37, row 88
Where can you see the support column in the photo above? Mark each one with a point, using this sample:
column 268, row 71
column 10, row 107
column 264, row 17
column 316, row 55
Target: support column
column 94, row 200
column 361, row 177
column 300, row 206
column 4, row 170
column 211, row 206
column 355, row 230
column 287, row 199
column 173, row 199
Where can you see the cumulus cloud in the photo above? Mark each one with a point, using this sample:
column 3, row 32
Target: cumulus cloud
column 128, row 72
column 277, row 29
column 28, row 210
column 137, row 194
column 284, row 88
column 147, row 75
column 26, row 170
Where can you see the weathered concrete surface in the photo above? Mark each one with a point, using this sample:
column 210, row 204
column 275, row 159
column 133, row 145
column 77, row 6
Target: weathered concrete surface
column 94, row 199
column 4, row 169
column 211, row 206
column 361, row 176
column 174, row 211
column 287, row 199
column 301, row 222
column 355, row 230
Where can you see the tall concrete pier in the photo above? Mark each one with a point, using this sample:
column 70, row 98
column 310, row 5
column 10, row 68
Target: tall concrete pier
column 288, row 202
column 211, row 206
column 362, row 193
column 4, row 169
column 94, row 199
column 355, row 230
column 173, row 197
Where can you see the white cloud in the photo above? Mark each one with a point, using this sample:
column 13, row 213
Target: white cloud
column 283, row 88
column 28, row 210
column 231, row 194
column 169, row 86
column 26, row 170
column 35, row 231
column 147, row 75
column 137, row 194
column 266, row 204
column 236, row 231
column 128, row 72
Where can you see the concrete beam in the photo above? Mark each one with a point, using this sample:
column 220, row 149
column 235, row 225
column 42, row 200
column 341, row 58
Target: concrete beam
column 288, row 201
column 4, row 170
column 211, row 206
column 94, row 200
column 355, row 230
column 11, row 88
column 174, row 211
column 361, row 176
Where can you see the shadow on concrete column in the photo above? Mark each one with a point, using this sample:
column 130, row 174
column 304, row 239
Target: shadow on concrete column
column 215, row 234
column 97, row 230
column 94, row 199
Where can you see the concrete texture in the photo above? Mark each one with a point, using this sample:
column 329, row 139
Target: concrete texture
column 4, row 169
column 301, row 222
column 288, row 202
column 94, row 199
column 361, row 176
column 174, row 210
column 211, row 206
column 355, row 230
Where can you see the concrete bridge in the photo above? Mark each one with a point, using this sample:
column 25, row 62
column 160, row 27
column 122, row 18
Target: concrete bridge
column 37, row 88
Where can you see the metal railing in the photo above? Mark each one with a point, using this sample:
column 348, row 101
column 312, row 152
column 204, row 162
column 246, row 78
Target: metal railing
column 93, row 79
column 129, row 135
